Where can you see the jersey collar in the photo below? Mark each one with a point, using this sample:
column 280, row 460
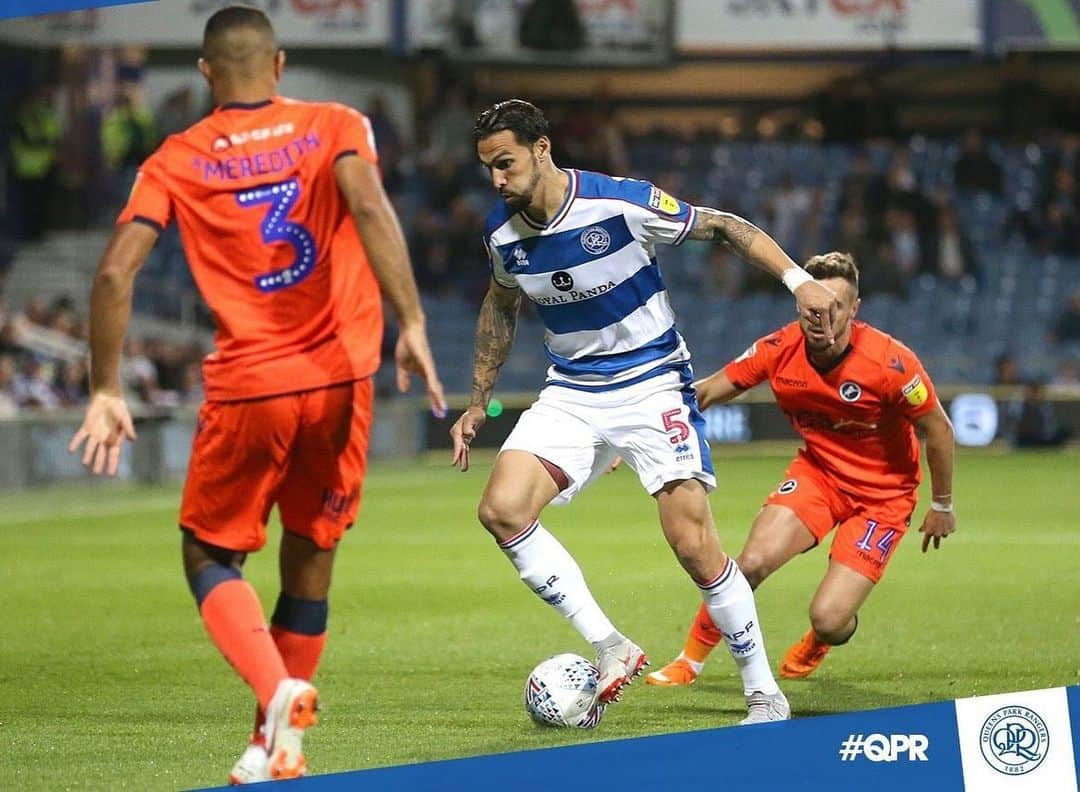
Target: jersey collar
column 245, row 105
column 571, row 194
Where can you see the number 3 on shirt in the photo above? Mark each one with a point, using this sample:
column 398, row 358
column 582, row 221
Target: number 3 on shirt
column 275, row 229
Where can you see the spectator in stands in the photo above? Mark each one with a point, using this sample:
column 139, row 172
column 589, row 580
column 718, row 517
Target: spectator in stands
column 33, row 388
column 390, row 142
column 73, row 383
column 725, row 275
column 177, row 112
column 128, row 136
column 1006, row 372
column 902, row 236
column 1066, row 329
column 33, row 147
column 1037, row 425
column 788, row 207
column 450, row 130
column 1061, row 213
column 975, row 169
column 952, row 255
column 137, row 372
column 9, row 406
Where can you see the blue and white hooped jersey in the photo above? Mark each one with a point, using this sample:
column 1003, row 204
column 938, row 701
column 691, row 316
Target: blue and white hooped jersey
column 593, row 275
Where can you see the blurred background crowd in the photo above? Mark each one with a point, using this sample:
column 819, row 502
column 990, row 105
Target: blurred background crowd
column 968, row 234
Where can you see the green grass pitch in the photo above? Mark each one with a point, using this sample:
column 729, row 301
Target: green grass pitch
column 110, row 682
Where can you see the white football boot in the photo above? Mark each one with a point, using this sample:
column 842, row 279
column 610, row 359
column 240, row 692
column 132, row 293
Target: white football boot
column 253, row 766
column 293, row 709
column 618, row 665
column 765, row 708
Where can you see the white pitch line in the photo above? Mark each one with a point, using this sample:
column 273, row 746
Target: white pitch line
column 70, row 511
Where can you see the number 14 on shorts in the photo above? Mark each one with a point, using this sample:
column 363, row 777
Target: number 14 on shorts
column 884, row 542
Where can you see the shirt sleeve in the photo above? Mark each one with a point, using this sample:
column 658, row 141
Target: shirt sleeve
column 354, row 136
column 149, row 201
column 908, row 384
column 753, row 366
column 654, row 216
column 498, row 269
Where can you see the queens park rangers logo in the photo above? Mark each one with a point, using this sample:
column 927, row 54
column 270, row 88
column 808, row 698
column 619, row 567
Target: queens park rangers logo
column 595, row 240
column 1014, row 740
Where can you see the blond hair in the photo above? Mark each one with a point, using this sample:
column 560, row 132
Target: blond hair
column 834, row 265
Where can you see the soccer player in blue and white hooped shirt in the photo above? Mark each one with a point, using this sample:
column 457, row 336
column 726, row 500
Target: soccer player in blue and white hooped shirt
column 581, row 246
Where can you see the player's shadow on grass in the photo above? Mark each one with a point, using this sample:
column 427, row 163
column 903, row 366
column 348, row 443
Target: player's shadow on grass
column 820, row 695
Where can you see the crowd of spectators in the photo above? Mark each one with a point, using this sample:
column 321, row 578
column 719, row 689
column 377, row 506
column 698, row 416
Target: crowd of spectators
column 95, row 126
column 44, row 361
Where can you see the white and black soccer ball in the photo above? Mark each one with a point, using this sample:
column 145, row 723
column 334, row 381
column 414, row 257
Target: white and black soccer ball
column 563, row 691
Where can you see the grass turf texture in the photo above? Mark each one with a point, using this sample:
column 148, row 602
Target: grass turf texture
column 109, row 680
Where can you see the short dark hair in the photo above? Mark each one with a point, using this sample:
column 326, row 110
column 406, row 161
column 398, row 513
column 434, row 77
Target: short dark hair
column 524, row 119
column 233, row 18
column 834, row 265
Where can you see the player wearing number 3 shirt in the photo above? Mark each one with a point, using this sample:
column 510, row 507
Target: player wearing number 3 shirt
column 292, row 243
column 856, row 403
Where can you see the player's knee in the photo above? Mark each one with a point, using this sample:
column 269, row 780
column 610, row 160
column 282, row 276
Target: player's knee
column 755, row 567
column 831, row 625
column 501, row 518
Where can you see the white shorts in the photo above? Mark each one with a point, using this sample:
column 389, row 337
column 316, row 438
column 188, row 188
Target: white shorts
column 655, row 426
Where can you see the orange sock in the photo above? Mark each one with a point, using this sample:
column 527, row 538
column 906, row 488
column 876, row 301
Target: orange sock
column 234, row 618
column 703, row 637
column 301, row 655
column 300, row 652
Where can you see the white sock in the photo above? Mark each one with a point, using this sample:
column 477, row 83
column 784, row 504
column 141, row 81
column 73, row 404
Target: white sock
column 548, row 569
column 730, row 601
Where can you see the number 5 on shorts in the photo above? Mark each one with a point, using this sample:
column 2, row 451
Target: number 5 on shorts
column 672, row 424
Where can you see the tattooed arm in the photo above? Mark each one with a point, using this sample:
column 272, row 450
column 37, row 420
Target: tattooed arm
column 494, row 338
column 816, row 302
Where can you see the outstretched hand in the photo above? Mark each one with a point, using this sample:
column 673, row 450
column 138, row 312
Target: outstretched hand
column 106, row 425
column 462, row 433
column 413, row 356
column 817, row 303
column 936, row 525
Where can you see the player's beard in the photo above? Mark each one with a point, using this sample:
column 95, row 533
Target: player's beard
column 520, row 201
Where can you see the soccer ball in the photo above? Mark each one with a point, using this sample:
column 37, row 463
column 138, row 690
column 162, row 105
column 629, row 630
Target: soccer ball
column 562, row 691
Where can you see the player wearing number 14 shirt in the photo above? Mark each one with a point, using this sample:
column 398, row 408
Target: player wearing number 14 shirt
column 272, row 198
column 857, row 404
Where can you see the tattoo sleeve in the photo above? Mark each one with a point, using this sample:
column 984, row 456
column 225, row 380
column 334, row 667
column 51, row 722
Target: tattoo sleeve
column 494, row 338
column 728, row 229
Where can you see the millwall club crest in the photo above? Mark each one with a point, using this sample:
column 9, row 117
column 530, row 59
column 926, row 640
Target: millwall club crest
column 562, row 281
column 595, row 240
column 850, row 391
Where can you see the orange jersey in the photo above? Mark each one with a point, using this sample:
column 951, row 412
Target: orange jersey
column 856, row 417
column 270, row 242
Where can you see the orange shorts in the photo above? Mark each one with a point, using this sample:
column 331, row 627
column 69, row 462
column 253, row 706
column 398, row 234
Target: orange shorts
column 866, row 531
column 306, row 452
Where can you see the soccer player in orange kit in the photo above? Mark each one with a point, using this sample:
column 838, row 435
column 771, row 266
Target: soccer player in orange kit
column 272, row 197
column 856, row 403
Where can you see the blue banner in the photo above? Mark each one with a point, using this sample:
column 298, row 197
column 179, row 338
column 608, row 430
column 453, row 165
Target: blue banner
column 19, row 8
column 1011, row 742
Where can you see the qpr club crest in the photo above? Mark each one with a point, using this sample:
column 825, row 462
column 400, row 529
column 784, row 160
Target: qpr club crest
column 1014, row 740
column 595, row 240
column 850, row 391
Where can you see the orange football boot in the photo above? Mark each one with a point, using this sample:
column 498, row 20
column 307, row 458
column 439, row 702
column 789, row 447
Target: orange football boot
column 677, row 672
column 802, row 658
